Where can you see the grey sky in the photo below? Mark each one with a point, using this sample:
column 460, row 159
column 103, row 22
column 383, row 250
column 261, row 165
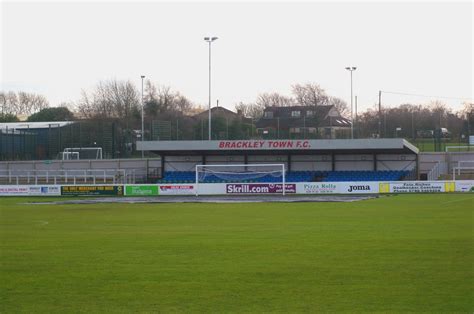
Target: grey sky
column 58, row 49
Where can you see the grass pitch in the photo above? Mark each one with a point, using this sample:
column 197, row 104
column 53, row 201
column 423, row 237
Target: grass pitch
column 399, row 253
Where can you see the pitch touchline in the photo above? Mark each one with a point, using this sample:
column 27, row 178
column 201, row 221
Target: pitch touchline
column 470, row 198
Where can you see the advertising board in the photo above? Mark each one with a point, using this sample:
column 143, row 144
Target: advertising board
column 92, row 190
column 242, row 188
column 337, row 188
column 176, row 189
column 259, row 188
column 421, row 187
column 12, row 190
column 40, row 190
column 465, row 186
column 141, row 190
column 317, row 188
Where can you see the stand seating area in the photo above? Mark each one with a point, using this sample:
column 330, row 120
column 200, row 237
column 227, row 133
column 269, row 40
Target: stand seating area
column 291, row 176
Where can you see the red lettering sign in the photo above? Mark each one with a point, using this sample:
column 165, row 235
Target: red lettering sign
column 264, row 144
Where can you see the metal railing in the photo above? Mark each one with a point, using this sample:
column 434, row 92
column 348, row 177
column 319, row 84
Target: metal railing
column 440, row 168
column 460, row 166
column 68, row 176
column 464, row 148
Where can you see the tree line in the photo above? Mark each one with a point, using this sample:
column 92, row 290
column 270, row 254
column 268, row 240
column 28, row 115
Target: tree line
column 120, row 101
column 308, row 94
column 414, row 121
column 22, row 103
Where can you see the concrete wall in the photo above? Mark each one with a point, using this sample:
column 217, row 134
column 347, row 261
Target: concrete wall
column 298, row 162
column 182, row 163
column 138, row 166
column 428, row 160
column 396, row 162
column 311, row 162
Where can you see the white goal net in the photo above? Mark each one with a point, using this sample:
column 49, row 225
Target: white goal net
column 241, row 173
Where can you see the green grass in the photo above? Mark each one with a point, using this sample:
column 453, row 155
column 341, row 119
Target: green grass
column 393, row 254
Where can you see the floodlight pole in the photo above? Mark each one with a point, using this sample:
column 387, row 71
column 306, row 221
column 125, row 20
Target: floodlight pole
column 143, row 124
column 380, row 114
column 283, row 179
column 210, row 40
column 355, row 120
column 351, row 69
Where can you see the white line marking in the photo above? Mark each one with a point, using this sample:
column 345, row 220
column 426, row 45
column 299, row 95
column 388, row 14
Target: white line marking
column 469, row 198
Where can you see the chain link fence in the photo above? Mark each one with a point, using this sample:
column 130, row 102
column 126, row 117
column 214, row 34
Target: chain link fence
column 47, row 143
column 119, row 141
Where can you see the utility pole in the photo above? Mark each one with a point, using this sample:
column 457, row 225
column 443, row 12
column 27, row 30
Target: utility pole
column 356, row 125
column 278, row 127
column 143, row 124
column 380, row 113
column 352, row 69
column 210, row 40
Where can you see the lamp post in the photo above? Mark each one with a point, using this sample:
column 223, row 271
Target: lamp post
column 351, row 69
column 210, row 40
column 143, row 124
column 355, row 118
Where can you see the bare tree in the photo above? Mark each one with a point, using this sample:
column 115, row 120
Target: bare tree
column 9, row 102
column 340, row 105
column 304, row 95
column 182, row 104
column 467, row 114
column 111, row 99
column 274, row 100
column 22, row 103
column 161, row 100
column 250, row 110
column 310, row 94
column 440, row 111
column 86, row 107
column 467, row 110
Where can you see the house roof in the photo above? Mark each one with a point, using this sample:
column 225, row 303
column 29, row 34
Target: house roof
column 320, row 118
column 318, row 111
column 216, row 110
column 303, row 122
column 222, row 112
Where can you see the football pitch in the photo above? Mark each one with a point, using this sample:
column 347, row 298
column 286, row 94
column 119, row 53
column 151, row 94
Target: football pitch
column 396, row 253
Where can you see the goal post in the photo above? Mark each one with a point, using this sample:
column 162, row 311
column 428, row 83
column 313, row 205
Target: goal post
column 76, row 153
column 241, row 173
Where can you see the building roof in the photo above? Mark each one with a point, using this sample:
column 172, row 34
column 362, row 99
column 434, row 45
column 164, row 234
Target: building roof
column 216, row 110
column 222, row 147
column 320, row 117
column 33, row 125
column 318, row 111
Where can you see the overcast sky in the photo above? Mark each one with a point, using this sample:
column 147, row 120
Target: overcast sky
column 58, row 49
